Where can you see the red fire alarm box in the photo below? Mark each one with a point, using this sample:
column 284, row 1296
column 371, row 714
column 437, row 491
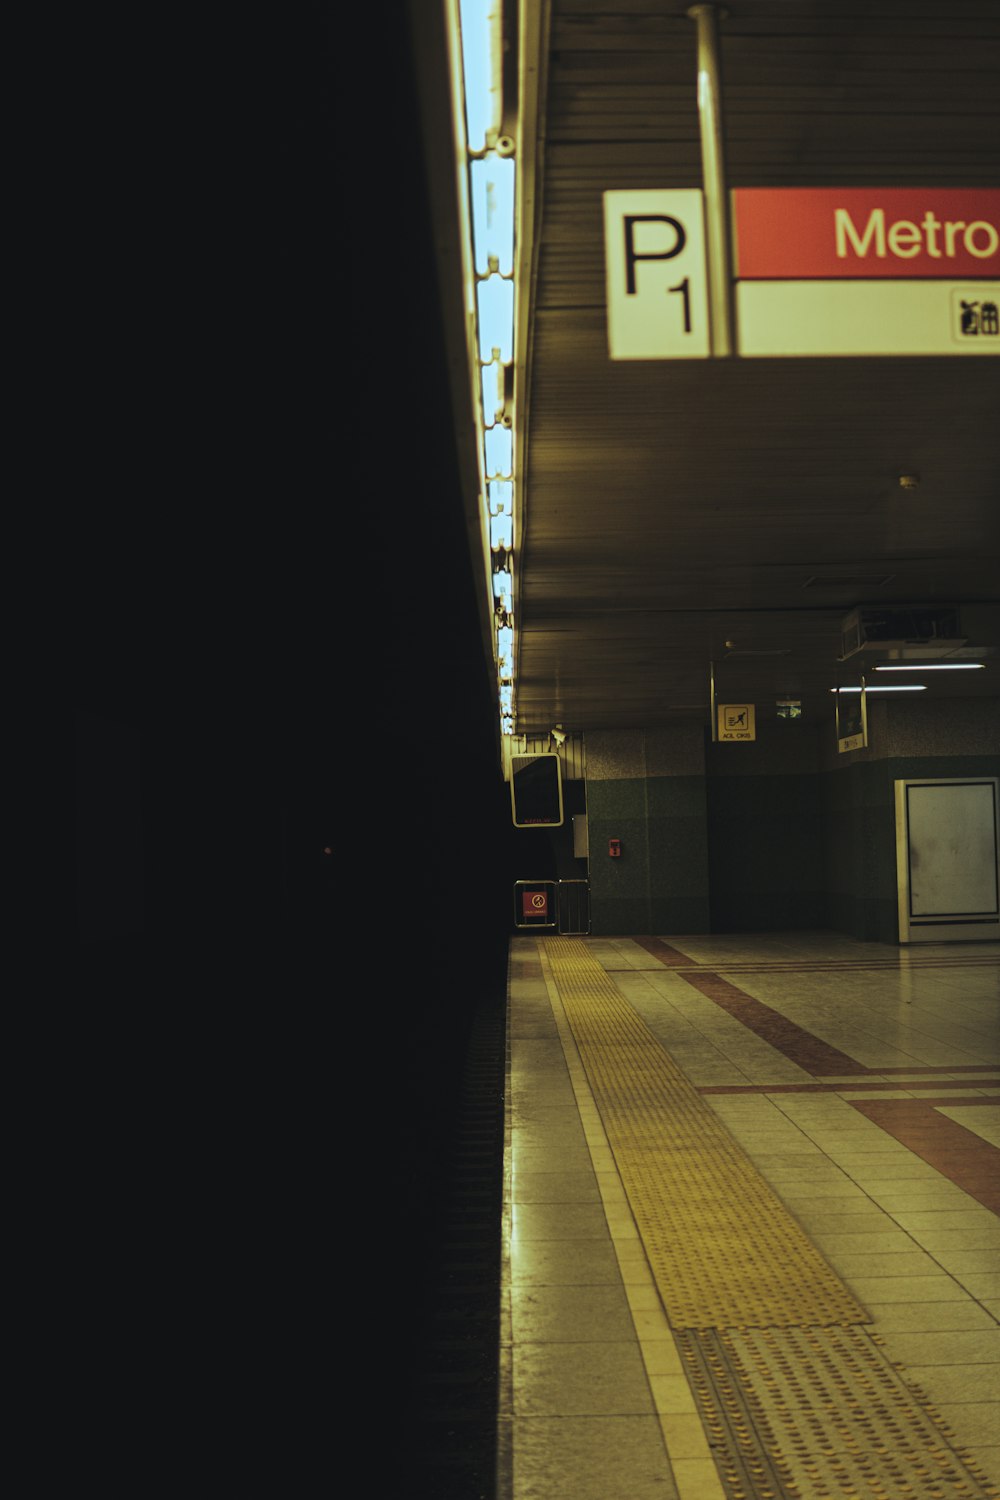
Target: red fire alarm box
column 615, row 848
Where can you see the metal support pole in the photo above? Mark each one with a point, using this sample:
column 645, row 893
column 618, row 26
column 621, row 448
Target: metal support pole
column 720, row 283
column 711, row 694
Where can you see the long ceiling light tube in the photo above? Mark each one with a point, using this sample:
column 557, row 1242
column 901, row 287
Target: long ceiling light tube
column 489, row 163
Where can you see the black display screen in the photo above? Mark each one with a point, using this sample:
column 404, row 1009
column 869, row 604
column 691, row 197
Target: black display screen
column 536, row 791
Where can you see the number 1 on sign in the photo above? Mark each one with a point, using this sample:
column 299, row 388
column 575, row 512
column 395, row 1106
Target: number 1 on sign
column 685, row 291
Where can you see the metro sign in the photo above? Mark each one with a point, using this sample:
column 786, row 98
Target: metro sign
column 818, row 233
column 819, row 271
column 861, row 271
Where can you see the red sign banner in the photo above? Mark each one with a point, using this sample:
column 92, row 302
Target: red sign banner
column 535, row 903
column 789, row 234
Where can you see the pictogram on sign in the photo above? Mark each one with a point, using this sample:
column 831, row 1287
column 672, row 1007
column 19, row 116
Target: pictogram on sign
column 535, row 903
column 737, row 722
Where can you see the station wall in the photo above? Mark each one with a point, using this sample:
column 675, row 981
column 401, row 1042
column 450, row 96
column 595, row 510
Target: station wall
column 785, row 833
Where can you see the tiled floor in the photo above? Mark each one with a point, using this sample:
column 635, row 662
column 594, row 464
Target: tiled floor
column 859, row 1087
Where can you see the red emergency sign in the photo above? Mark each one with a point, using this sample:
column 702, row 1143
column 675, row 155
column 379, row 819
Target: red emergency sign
column 789, row 234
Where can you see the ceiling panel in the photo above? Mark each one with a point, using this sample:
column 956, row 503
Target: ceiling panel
column 672, row 506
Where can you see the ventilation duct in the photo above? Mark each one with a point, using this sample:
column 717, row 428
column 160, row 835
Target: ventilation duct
column 906, row 633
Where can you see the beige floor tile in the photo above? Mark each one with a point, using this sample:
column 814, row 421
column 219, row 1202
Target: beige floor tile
column 896, row 1171
column 809, row 1171
column 598, row 1379
column 881, row 1289
column 610, row 1188
column 839, row 1196
column 917, row 1197
column 684, row 1436
column 697, row 1479
column 851, row 1158
column 927, row 1317
column 653, row 1325
column 981, row 1284
column 564, row 1263
column 965, row 1262
column 946, row 1383
column 887, row 1241
column 554, row 1187
column 961, row 1252
column 569, row 1314
column 983, row 1120
column 559, row 1221
column 671, row 1393
column 977, row 1346
column 972, row 1422
column 584, row 1458
column 817, row 1221
column 810, row 1160
column 643, row 1298
column 540, row 1158
column 974, row 1219
column 635, row 1273
column 622, row 1225
column 660, row 1357
column 558, row 1142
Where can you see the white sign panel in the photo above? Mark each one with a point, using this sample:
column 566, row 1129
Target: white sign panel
column 656, row 274
column 791, row 318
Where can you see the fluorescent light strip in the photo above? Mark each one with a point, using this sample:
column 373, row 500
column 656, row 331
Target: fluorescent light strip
column 495, row 308
column 499, row 452
column 501, row 531
column 491, row 239
column 897, row 687
column 482, row 66
column 492, row 181
column 492, row 378
column 934, row 666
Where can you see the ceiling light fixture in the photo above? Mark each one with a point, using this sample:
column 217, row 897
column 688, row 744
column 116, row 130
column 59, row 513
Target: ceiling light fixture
column 896, row 687
column 482, row 65
column 934, row 666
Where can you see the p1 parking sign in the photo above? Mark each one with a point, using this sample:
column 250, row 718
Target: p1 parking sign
column 657, row 281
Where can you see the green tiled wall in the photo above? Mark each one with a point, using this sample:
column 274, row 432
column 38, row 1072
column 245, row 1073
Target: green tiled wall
column 781, row 834
column 660, row 883
column 859, row 822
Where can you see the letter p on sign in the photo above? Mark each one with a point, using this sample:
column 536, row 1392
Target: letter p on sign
column 657, row 280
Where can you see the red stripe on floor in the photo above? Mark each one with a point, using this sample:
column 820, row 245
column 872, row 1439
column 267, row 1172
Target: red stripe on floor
column 836, row 1088
column 797, row 1044
column 672, row 957
column 959, row 1154
column 944, row 1068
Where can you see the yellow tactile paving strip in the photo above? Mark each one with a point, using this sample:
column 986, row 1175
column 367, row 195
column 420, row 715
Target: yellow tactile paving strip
column 796, row 1399
column 818, row 1412
column 723, row 1249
